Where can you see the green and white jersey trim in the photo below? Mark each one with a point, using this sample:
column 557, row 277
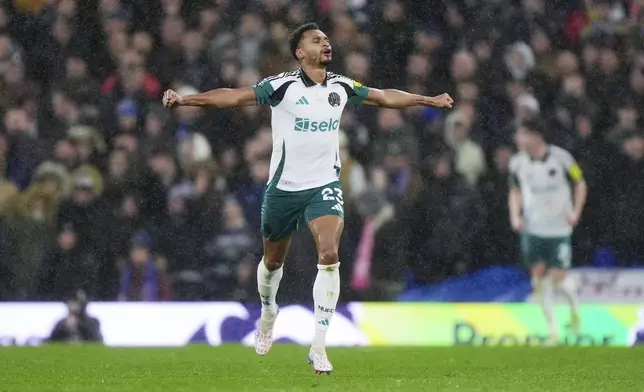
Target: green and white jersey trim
column 305, row 121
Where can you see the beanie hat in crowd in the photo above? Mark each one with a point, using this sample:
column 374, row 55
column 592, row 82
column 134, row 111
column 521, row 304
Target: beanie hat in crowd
column 84, row 133
column 530, row 102
column 127, row 108
column 185, row 190
column 142, row 240
column 526, row 52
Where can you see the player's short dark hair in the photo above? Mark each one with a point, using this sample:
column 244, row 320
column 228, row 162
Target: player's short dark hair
column 534, row 126
column 296, row 36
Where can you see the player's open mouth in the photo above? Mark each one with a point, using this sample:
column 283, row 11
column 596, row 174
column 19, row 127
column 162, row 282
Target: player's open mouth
column 327, row 52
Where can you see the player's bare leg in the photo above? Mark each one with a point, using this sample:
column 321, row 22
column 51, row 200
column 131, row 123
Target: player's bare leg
column 544, row 293
column 566, row 286
column 537, row 275
column 269, row 275
column 326, row 231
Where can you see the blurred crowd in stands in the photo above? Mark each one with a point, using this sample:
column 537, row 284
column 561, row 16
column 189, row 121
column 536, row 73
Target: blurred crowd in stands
column 104, row 190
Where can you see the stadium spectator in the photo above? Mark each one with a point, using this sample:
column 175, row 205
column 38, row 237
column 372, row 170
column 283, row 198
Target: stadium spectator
column 628, row 118
column 393, row 129
column 597, row 158
column 143, row 276
column 8, row 197
column 208, row 198
column 131, row 81
column 357, row 66
column 394, row 38
column 27, row 151
column 68, row 268
column 163, row 174
column 463, row 67
column 127, row 220
column 637, row 82
column 15, row 86
column 628, row 223
column 89, row 145
column 358, row 135
column 230, row 255
column 8, row 193
column 453, row 216
column 119, row 176
column 494, row 191
column 251, row 191
column 156, row 132
column 64, row 113
column 352, row 174
column 80, row 83
column 181, row 240
column 519, row 60
column 167, row 58
column 196, row 68
column 469, row 157
column 189, row 119
column 376, row 207
column 30, row 230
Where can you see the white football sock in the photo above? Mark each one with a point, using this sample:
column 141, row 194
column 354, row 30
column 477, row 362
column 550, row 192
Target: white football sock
column 267, row 284
column 548, row 305
column 326, row 291
column 568, row 288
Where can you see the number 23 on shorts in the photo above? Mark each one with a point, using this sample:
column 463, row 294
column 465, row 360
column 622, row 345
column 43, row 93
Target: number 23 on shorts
column 334, row 195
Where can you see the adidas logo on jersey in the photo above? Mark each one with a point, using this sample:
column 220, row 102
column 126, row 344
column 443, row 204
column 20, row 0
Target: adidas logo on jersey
column 338, row 207
column 302, row 101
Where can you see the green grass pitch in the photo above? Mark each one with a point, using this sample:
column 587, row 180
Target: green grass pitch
column 237, row 368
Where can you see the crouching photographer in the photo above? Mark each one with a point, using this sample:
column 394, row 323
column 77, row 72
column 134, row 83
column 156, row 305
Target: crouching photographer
column 77, row 325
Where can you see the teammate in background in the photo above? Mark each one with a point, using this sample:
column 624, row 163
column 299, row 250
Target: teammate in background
column 547, row 196
column 304, row 175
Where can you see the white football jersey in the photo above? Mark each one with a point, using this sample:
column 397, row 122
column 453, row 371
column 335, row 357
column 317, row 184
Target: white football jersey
column 305, row 121
column 547, row 190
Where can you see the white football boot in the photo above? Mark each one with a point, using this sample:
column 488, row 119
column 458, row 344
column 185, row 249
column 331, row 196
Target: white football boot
column 320, row 362
column 264, row 341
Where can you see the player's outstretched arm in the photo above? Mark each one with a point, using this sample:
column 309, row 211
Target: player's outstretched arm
column 220, row 98
column 396, row 99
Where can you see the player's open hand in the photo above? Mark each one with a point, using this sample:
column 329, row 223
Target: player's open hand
column 573, row 219
column 443, row 101
column 171, row 99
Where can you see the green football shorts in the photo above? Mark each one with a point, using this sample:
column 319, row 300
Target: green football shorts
column 555, row 252
column 282, row 211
